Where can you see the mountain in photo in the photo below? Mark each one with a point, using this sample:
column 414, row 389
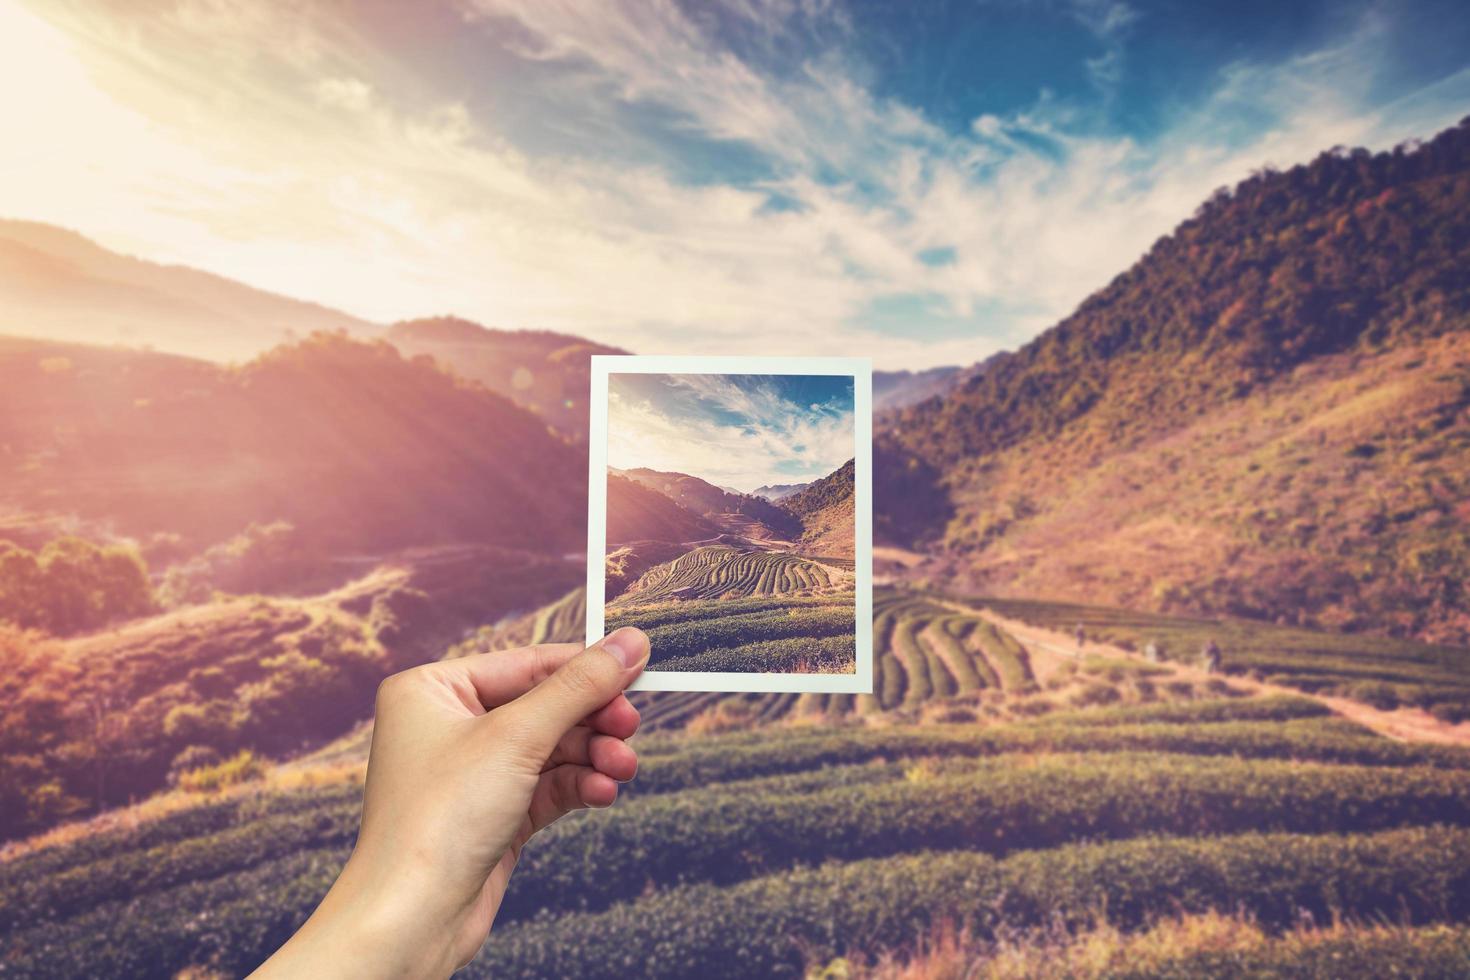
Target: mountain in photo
column 825, row 509
column 57, row 284
column 708, row 500
column 774, row 492
column 547, row 373
column 1266, row 416
column 638, row 513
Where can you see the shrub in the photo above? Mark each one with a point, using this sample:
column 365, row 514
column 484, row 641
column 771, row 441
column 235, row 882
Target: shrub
column 1094, row 693
column 993, row 807
column 1453, row 712
column 772, row 926
column 1375, row 693
column 241, row 767
column 193, row 758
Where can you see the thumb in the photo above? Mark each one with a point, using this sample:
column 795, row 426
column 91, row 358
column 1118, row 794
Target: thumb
column 578, row 687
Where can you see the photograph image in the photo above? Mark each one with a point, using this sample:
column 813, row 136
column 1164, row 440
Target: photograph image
column 735, row 489
column 730, row 522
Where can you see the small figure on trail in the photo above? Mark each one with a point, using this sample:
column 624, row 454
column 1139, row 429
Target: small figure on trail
column 1151, row 653
column 1081, row 637
column 1212, row 656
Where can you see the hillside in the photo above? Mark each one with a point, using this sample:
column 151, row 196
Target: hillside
column 547, row 373
column 1265, row 416
column 158, row 447
column 636, row 513
column 1165, row 794
column 58, row 284
column 706, row 499
column 268, row 675
column 825, row 509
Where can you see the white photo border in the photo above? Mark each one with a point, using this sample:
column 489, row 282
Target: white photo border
column 860, row 369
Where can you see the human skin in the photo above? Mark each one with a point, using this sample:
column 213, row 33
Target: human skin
column 469, row 759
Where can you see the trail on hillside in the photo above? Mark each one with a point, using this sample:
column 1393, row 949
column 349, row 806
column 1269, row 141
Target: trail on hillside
column 1401, row 724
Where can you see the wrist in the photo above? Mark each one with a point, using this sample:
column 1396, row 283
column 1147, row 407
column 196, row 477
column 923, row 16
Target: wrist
column 372, row 923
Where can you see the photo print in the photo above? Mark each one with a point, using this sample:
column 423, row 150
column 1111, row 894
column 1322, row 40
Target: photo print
column 730, row 518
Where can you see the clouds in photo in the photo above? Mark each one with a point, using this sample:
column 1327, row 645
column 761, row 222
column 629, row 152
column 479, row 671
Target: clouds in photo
column 740, row 431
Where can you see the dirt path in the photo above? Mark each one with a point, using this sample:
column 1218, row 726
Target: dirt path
column 1401, row 724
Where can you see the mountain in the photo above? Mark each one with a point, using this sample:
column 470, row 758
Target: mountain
column 825, row 509
column 900, row 389
column 159, row 446
column 58, row 284
column 637, row 513
column 708, row 500
column 547, row 373
column 1267, row 415
column 776, row 491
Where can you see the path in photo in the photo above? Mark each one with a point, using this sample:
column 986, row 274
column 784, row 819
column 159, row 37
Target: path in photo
column 725, row 580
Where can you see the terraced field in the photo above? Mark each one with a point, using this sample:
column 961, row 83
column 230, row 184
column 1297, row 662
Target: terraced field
column 723, row 571
column 737, row 609
column 1381, row 671
column 987, row 789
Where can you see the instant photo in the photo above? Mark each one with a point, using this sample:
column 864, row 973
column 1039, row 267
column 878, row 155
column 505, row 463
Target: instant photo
column 730, row 518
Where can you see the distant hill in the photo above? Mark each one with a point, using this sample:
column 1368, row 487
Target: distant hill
column 1267, row 415
column 548, row 373
column 776, row 491
column 706, row 499
column 825, row 509
column 900, row 389
column 638, row 513
column 57, row 284
column 144, row 445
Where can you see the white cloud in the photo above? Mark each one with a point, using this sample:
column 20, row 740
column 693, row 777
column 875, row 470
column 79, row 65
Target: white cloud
column 277, row 145
column 780, row 442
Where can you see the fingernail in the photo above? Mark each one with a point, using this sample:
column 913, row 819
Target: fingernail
column 628, row 644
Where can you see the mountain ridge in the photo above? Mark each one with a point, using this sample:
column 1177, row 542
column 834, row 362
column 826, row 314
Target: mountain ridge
column 1298, row 292
column 57, row 282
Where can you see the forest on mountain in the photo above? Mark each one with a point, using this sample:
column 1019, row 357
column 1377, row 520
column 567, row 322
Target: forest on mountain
column 355, row 446
column 1265, row 416
column 705, row 499
column 544, row 372
column 636, row 512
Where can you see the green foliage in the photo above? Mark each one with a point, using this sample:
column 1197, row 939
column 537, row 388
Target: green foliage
column 995, row 807
column 801, row 654
column 773, row 925
column 71, row 585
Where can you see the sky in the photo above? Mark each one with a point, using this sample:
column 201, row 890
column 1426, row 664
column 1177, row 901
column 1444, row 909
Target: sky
column 733, row 430
column 922, row 183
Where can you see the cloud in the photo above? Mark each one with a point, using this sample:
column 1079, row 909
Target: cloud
column 741, row 434
column 291, row 146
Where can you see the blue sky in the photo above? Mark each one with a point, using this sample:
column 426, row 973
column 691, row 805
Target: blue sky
column 738, row 431
column 920, row 182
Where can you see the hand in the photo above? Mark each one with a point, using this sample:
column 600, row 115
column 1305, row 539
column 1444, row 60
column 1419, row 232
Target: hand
column 469, row 758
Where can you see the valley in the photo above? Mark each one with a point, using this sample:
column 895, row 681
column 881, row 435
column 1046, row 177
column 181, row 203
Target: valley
column 1255, row 436
column 746, row 598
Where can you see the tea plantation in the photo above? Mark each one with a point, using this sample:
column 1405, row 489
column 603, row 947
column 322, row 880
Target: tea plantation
column 984, row 787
